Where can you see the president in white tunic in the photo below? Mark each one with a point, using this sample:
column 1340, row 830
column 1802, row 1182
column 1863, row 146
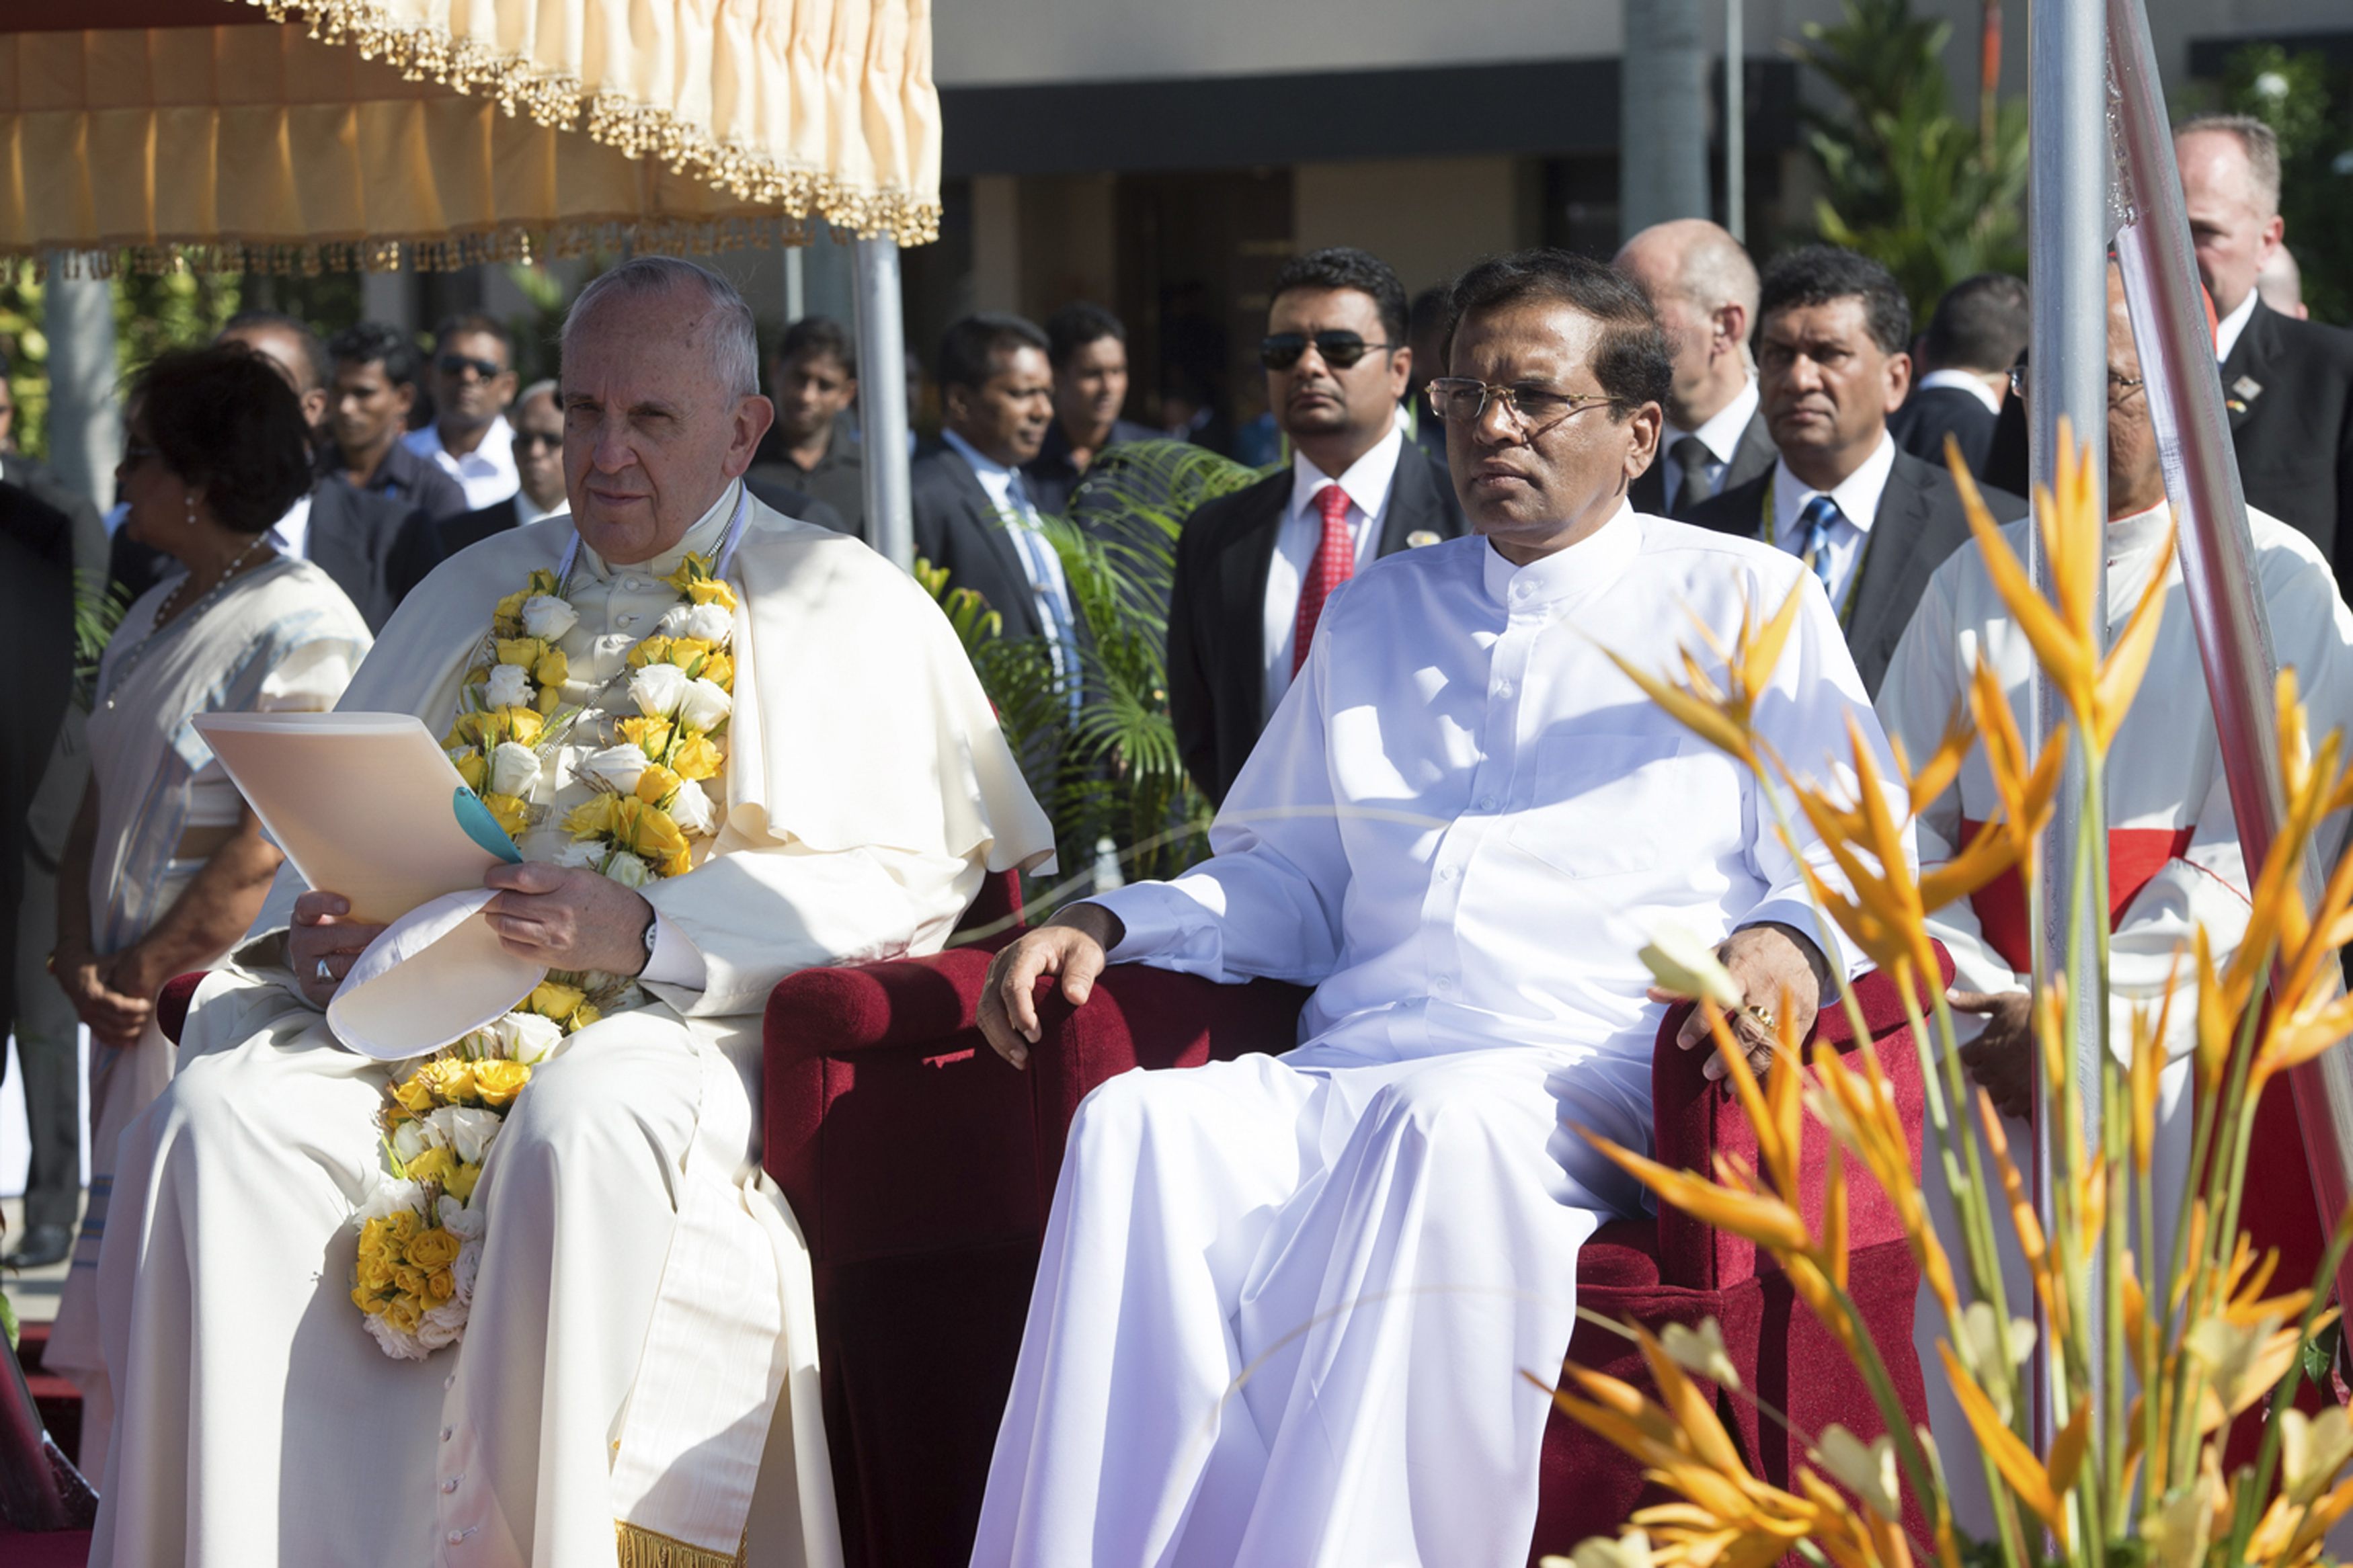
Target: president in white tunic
column 1285, row 1302
column 643, row 1304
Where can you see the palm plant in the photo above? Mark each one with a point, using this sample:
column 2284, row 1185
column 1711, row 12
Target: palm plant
column 1094, row 734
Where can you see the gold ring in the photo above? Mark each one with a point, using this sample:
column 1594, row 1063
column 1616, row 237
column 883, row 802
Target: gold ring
column 1762, row 1013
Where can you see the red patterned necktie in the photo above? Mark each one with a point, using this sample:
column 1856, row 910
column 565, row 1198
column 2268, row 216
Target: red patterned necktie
column 1334, row 563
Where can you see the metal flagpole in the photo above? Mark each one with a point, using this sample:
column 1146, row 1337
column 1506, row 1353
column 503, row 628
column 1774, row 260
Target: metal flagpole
column 1736, row 123
column 882, row 400
column 2067, row 203
column 2201, row 481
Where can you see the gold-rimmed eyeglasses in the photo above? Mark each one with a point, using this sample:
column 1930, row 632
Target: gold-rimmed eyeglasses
column 1530, row 410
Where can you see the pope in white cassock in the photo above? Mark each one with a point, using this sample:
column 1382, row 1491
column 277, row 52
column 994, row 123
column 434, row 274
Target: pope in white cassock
column 2174, row 859
column 1285, row 1302
column 641, row 1322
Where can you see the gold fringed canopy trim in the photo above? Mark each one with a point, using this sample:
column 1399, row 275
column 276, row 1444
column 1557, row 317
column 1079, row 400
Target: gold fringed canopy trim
column 824, row 110
column 642, row 1548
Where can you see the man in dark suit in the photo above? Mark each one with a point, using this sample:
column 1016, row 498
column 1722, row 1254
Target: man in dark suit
column 1087, row 347
column 1253, row 568
column 973, row 511
column 1976, row 335
column 1704, row 287
column 813, row 383
column 539, row 471
column 1831, row 366
column 2287, row 385
column 375, row 547
column 372, row 390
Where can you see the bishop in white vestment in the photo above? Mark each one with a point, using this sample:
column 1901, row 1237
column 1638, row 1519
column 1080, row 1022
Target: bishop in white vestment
column 1285, row 1302
column 640, row 1361
column 2175, row 865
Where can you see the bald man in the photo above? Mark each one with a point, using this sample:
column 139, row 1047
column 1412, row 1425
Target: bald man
column 2287, row 385
column 1704, row 287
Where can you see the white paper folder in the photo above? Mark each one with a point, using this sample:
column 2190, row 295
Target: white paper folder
column 368, row 806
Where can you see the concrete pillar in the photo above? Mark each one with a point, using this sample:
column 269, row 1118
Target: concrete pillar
column 996, row 243
column 1662, row 115
column 85, row 421
column 389, row 297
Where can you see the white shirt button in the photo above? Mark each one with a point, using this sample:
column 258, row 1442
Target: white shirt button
column 456, row 1537
column 626, row 621
column 1442, row 985
column 1446, row 873
column 1486, row 803
column 447, row 1431
column 450, row 1485
column 1503, row 690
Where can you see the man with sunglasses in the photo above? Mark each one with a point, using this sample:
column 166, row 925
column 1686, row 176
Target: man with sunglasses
column 1255, row 568
column 473, row 381
column 1834, row 334
column 539, row 471
column 1286, row 1303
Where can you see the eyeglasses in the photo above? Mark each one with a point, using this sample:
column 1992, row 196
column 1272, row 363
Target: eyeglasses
column 1530, row 410
column 459, row 364
column 2120, row 387
column 532, row 441
column 1281, row 351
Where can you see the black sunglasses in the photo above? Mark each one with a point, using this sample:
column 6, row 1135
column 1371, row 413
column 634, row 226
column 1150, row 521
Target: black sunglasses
column 1339, row 350
column 458, row 365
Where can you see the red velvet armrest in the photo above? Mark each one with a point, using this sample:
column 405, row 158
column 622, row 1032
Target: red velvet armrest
column 172, row 1002
column 1696, row 1120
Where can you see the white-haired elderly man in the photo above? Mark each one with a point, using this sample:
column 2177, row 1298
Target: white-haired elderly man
column 641, row 1299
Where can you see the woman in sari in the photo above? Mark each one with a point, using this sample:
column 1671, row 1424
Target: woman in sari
column 167, row 866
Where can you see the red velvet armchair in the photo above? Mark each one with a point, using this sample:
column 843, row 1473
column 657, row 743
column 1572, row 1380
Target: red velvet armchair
column 921, row 1168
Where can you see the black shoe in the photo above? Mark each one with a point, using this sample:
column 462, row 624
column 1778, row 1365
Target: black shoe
column 42, row 1246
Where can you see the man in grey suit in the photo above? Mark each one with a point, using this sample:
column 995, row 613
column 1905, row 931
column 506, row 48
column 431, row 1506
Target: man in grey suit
column 1833, row 359
column 1704, row 288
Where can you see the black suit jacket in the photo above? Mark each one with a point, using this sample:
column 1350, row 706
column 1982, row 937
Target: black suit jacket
column 473, row 526
column 1920, row 522
column 1217, row 614
column 375, row 548
column 1932, row 413
column 2288, row 390
column 1755, row 455
column 957, row 527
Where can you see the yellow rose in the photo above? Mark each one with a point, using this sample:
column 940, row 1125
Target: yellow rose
column 592, row 819
column 498, row 1080
column 508, row 812
column 452, row 1078
column 440, row 1285
column 403, row 1313
column 376, row 1272
column 416, row 1096
column 695, row 758
column 509, row 610
column 553, row 999
column 651, row 736
column 583, row 1016
column 678, row 865
column 435, row 1248
column 552, row 669
column 403, row 1225
column 525, row 651
column 551, row 697
column 683, row 651
column 460, row 1182
column 653, row 651
column 433, row 1165
column 712, row 592
column 365, row 1300
column 654, row 836
column 543, row 582
column 409, row 1279
column 475, row 769
column 720, row 671
column 523, row 725
column 656, row 784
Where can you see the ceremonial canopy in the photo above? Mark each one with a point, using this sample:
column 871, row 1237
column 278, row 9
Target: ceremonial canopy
column 230, row 134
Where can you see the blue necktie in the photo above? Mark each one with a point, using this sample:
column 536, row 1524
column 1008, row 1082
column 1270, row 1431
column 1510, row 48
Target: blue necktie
column 1061, row 628
column 1814, row 535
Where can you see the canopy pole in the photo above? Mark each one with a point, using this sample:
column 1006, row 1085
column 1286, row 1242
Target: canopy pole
column 2067, row 203
column 85, row 429
column 1736, row 122
column 1661, row 114
column 2216, row 551
column 882, row 401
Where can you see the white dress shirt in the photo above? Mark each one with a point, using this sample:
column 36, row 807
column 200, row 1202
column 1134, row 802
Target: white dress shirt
column 1858, row 502
column 1721, row 437
column 1963, row 380
column 487, row 473
column 1367, row 482
column 1463, row 821
column 1040, row 563
column 290, row 534
column 2227, row 330
column 528, row 512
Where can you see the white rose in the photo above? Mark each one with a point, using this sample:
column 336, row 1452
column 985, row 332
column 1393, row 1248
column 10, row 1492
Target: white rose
column 408, row 1141
column 704, row 707
column 509, row 686
column 546, row 615
column 466, row 1129
column 470, row 1258
column 656, row 690
column 466, row 1225
column 627, row 869
column 582, row 853
column 513, row 769
column 691, row 809
column 527, row 1036
column 389, row 1198
column 707, row 623
column 392, row 1341
column 619, row 766
column 673, row 622
column 444, row 1325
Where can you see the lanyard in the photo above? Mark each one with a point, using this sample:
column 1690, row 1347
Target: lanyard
column 1862, row 558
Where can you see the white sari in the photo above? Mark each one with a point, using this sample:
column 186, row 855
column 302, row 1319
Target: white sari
column 282, row 637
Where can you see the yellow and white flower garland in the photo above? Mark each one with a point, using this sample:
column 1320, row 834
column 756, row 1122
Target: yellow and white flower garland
column 421, row 1238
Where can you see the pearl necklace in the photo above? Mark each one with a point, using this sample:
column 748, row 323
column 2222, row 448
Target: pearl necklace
column 165, row 610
